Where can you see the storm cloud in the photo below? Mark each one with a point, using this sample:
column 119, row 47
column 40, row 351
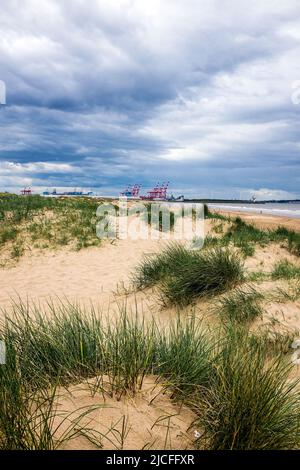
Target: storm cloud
column 104, row 93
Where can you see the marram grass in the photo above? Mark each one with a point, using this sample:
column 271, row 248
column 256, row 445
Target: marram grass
column 184, row 275
column 243, row 400
column 203, row 273
column 241, row 305
column 251, row 403
column 285, row 270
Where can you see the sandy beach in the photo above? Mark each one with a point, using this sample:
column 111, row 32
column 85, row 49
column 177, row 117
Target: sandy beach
column 100, row 277
column 149, row 231
column 264, row 221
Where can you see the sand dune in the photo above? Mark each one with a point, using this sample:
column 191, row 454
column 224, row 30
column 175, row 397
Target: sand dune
column 102, row 276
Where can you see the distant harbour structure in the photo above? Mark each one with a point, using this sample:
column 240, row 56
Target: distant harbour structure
column 67, row 193
column 175, row 199
column 26, row 191
column 158, row 193
column 131, row 191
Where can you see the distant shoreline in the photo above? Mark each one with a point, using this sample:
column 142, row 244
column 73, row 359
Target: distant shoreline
column 243, row 201
column 263, row 221
column 271, row 209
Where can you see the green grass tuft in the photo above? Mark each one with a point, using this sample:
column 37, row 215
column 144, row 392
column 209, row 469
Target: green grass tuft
column 243, row 304
column 183, row 275
column 250, row 404
column 154, row 268
column 201, row 273
column 285, row 270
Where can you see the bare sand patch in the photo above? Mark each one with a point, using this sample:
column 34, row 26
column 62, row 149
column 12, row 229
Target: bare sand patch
column 90, row 275
column 150, row 419
column 266, row 257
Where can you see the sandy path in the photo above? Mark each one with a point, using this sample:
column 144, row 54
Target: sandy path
column 90, row 275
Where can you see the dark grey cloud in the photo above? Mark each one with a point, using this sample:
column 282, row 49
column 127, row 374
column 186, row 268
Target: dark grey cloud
column 197, row 92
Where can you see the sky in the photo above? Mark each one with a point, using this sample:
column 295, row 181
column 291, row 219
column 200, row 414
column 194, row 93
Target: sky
column 102, row 94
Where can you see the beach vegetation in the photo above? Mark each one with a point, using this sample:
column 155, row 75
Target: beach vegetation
column 241, row 305
column 242, row 397
column 184, row 275
column 34, row 220
column 251, row 404
column 284, row 269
